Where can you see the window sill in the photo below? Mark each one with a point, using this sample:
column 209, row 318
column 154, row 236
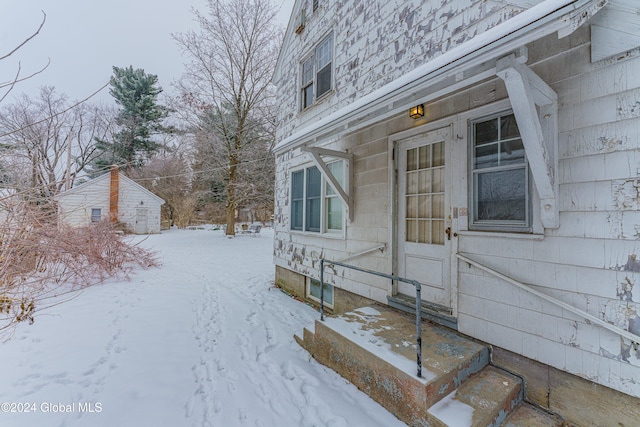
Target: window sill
column 323, row 99
column 328, row 235
column 505, row 234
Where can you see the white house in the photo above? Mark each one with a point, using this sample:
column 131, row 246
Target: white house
column 486, row 148
column 113, row 197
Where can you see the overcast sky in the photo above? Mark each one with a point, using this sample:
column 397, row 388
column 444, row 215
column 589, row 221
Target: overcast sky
column 84, row 39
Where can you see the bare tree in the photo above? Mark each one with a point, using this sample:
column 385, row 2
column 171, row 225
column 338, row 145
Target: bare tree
column 44, row 144
column 47, row 143
column 170, row 178
column 226, row 85
column 254, row 179
column 39, row 261
column 7, row 86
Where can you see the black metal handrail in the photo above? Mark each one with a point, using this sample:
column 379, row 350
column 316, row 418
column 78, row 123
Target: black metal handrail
column 415, row 283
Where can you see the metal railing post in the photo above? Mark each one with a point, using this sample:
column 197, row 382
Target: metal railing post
column 322, row 289
column 418, row 327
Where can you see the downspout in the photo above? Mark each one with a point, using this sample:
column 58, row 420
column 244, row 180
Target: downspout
column 113, row 194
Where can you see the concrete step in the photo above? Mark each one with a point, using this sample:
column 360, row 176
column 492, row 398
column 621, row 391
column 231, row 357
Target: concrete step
column 485, row 399
column 526, row 415
column 429, row 311
column 374, row 348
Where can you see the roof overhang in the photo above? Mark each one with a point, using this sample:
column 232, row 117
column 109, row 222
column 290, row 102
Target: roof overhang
column 616, row 30
column 462, row 66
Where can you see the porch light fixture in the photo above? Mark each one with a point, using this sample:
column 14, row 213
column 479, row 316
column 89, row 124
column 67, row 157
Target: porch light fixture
column 417, row 111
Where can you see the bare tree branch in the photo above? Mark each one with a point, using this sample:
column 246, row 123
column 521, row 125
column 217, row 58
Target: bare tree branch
column 40, row 261
column 71, row 107
column 226, row 86
column 44, row 18
column 46, row 144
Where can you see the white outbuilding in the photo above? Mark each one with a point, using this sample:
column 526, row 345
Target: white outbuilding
column 112, row 197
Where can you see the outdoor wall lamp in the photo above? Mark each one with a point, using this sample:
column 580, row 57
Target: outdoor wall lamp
column 417, row 111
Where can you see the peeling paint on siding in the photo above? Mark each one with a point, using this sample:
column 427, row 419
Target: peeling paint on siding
column 624, row 290
column 609, row 144
column 383, row 41
column 629, row 105
column 626, row 194
column 634, row 325
column 632, row 265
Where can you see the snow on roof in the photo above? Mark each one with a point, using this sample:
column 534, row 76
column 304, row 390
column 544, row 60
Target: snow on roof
column 506, row 29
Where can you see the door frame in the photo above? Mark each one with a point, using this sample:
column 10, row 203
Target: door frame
column 146, row 215
column 393, row 141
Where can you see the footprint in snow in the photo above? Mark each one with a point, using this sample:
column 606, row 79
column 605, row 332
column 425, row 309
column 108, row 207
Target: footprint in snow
column 251, row 318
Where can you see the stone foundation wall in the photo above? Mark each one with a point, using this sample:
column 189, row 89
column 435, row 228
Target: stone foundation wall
column 579, row 401
column 290, row 281
column 343, row 301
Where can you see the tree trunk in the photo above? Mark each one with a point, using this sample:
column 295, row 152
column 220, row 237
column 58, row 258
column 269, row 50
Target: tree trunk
column 231, row 195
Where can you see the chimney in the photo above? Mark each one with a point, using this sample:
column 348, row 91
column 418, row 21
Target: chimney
column 113, row 194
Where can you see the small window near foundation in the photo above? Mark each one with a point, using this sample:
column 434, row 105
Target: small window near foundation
column 313, row 291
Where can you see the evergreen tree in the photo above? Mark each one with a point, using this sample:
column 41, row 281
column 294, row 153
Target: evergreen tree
column 140, row 116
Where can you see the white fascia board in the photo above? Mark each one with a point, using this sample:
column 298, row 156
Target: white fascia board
column 289, row 34
column 539, row 21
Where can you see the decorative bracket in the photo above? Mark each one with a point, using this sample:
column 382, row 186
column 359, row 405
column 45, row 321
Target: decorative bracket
column 535, row 106
column 343, row 195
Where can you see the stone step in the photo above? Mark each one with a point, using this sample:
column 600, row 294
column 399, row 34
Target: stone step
column 374, row 348
column 526, row 415
column 485, row 399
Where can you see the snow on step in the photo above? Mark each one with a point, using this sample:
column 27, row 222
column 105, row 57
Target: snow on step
column 374, row 348
column 485, row 399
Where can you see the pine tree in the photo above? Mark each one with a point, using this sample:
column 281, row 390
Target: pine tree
column 140, row 117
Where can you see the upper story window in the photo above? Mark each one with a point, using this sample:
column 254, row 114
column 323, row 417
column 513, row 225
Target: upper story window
column 501, row 193
column 315, row 207
column 317, row 73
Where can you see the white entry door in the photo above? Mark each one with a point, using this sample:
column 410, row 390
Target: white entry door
column 142, row 221
column 423, row 220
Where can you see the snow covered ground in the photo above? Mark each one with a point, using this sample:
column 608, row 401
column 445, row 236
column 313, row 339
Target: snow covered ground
column 204, row 340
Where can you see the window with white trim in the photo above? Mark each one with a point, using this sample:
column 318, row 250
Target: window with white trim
column 500, row 190
column 333, row 205
column 315, row 207
column 317, row 73
column 96, row 214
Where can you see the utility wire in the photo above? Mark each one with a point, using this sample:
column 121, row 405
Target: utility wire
column 56, row 114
